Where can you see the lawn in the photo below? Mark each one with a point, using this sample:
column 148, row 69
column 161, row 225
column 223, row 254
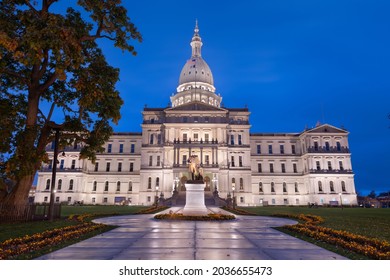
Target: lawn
column 370, row 222
column 13, row 230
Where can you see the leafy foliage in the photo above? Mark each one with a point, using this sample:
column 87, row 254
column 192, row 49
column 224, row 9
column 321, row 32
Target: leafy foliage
column 54, row 59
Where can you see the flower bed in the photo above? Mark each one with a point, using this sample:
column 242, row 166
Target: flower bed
column 152, row 210
column 18, row 246
column 238, row 211
column 209, row 217
column 371, row 247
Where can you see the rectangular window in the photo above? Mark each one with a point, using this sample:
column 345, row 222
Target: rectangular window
column 273, row 201
column 270, row 149
column 158, row 161
column 239, row 139
column 132, row 148
column 73, row 166
column 119, row 167
column 341, row 165
column 293, row 149
column 131, row 167
column 96, row 166
column 295, row 170
column 282, row 149
column 240, row 161
column 108, row 164
column 329, row 165
column 316, row 146
column 120, row 148
column 283, row 168
column 93, row 199
column 259, row 168
column 150, row 160
column 232, row 161
column 105, row 200
column 50, row 164
column 231, row 139
column 185, row 137
column 196, row 119
column 207, row 159
column 109, row 148
column 185, row 119
column 258, row 149
column 151, row 140
column 285, row 201
column 318, row 165
column 159, row 139
column 206, row 119
column 327, row 146
column 241, row 199
column 271, row 167
column 338, row 146
column 45, row 199
column 184, row 159
column 62, row 163
column 196, row 136
column 206, row 137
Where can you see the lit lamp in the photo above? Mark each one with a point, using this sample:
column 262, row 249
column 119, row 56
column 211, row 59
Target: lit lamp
column 156, row 196
column 215, row 180
column 341, row 202
column 233, row 188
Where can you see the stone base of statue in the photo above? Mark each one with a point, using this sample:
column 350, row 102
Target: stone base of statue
column 195, row 199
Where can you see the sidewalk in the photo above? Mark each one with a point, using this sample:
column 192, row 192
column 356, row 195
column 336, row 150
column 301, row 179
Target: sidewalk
column 140, row 237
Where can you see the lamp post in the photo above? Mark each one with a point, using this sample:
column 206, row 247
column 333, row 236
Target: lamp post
column 215, row 180
column 156, row 196
column 176, row 183
column 233, row 188
column 56, row 128
column 341, row 202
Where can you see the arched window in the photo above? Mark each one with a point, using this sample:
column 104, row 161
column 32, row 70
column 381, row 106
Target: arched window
column 331, row 185
column 106, row 186
column 71, row 185
column 150, row 183
column 343, row 186
column 47, row 184
column 241, row 183
column 118, row 186
column 273, row 187
column 59, row 186
column 94, row 186
column 130, row 186
column 260, row 187
column 233, row 182
column 157, row 181
column 320, row 186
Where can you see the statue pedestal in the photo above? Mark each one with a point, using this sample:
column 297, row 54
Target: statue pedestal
column 195, row 199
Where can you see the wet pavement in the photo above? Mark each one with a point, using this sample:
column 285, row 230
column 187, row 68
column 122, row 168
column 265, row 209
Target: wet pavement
column 141, row 237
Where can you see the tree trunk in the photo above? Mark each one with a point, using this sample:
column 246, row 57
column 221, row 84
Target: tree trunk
column 19, row 195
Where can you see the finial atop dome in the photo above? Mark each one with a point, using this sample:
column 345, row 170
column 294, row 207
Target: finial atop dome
column 196, row 42
column 196, row 30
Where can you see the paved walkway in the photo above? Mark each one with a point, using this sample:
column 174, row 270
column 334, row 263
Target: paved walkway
column 140, row 237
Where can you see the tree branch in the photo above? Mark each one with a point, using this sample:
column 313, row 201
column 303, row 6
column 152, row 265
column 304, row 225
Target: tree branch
column 31, row 7
column 48, row 82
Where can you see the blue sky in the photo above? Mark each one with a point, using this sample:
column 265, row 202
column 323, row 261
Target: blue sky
column 292, row 62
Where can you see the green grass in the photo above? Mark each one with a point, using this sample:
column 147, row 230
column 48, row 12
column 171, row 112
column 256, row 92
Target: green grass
column 13, row 230
column 370, row 222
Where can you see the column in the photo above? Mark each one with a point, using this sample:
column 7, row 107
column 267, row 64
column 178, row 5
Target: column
column 216, row 155
column 212, row 154
column 201, row 155
column 174, row 156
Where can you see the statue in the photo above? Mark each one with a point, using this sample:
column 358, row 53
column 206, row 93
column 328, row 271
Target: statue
column 195, row 169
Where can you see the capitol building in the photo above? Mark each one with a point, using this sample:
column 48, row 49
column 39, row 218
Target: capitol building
column 259, row 169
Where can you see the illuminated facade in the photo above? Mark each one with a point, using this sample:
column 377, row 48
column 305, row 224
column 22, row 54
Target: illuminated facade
column 312, row 166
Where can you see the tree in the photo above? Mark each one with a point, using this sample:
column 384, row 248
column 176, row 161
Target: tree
column 372, row 194
column 52, row 58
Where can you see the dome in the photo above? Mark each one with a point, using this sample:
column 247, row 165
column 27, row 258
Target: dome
column 196, row 83
column 196, row 70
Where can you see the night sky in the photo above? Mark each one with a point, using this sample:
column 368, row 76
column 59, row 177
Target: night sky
column 293, row 63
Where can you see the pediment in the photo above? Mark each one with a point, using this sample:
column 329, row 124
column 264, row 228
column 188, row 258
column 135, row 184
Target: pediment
column 326, row 128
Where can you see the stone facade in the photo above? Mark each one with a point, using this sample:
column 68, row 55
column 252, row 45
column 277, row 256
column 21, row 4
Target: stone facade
column 312, row 166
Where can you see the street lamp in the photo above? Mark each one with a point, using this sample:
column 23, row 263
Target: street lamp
column 215, row 181
column 341, row 202
column 156, row 196
column 56, row 128
column 233, row 188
